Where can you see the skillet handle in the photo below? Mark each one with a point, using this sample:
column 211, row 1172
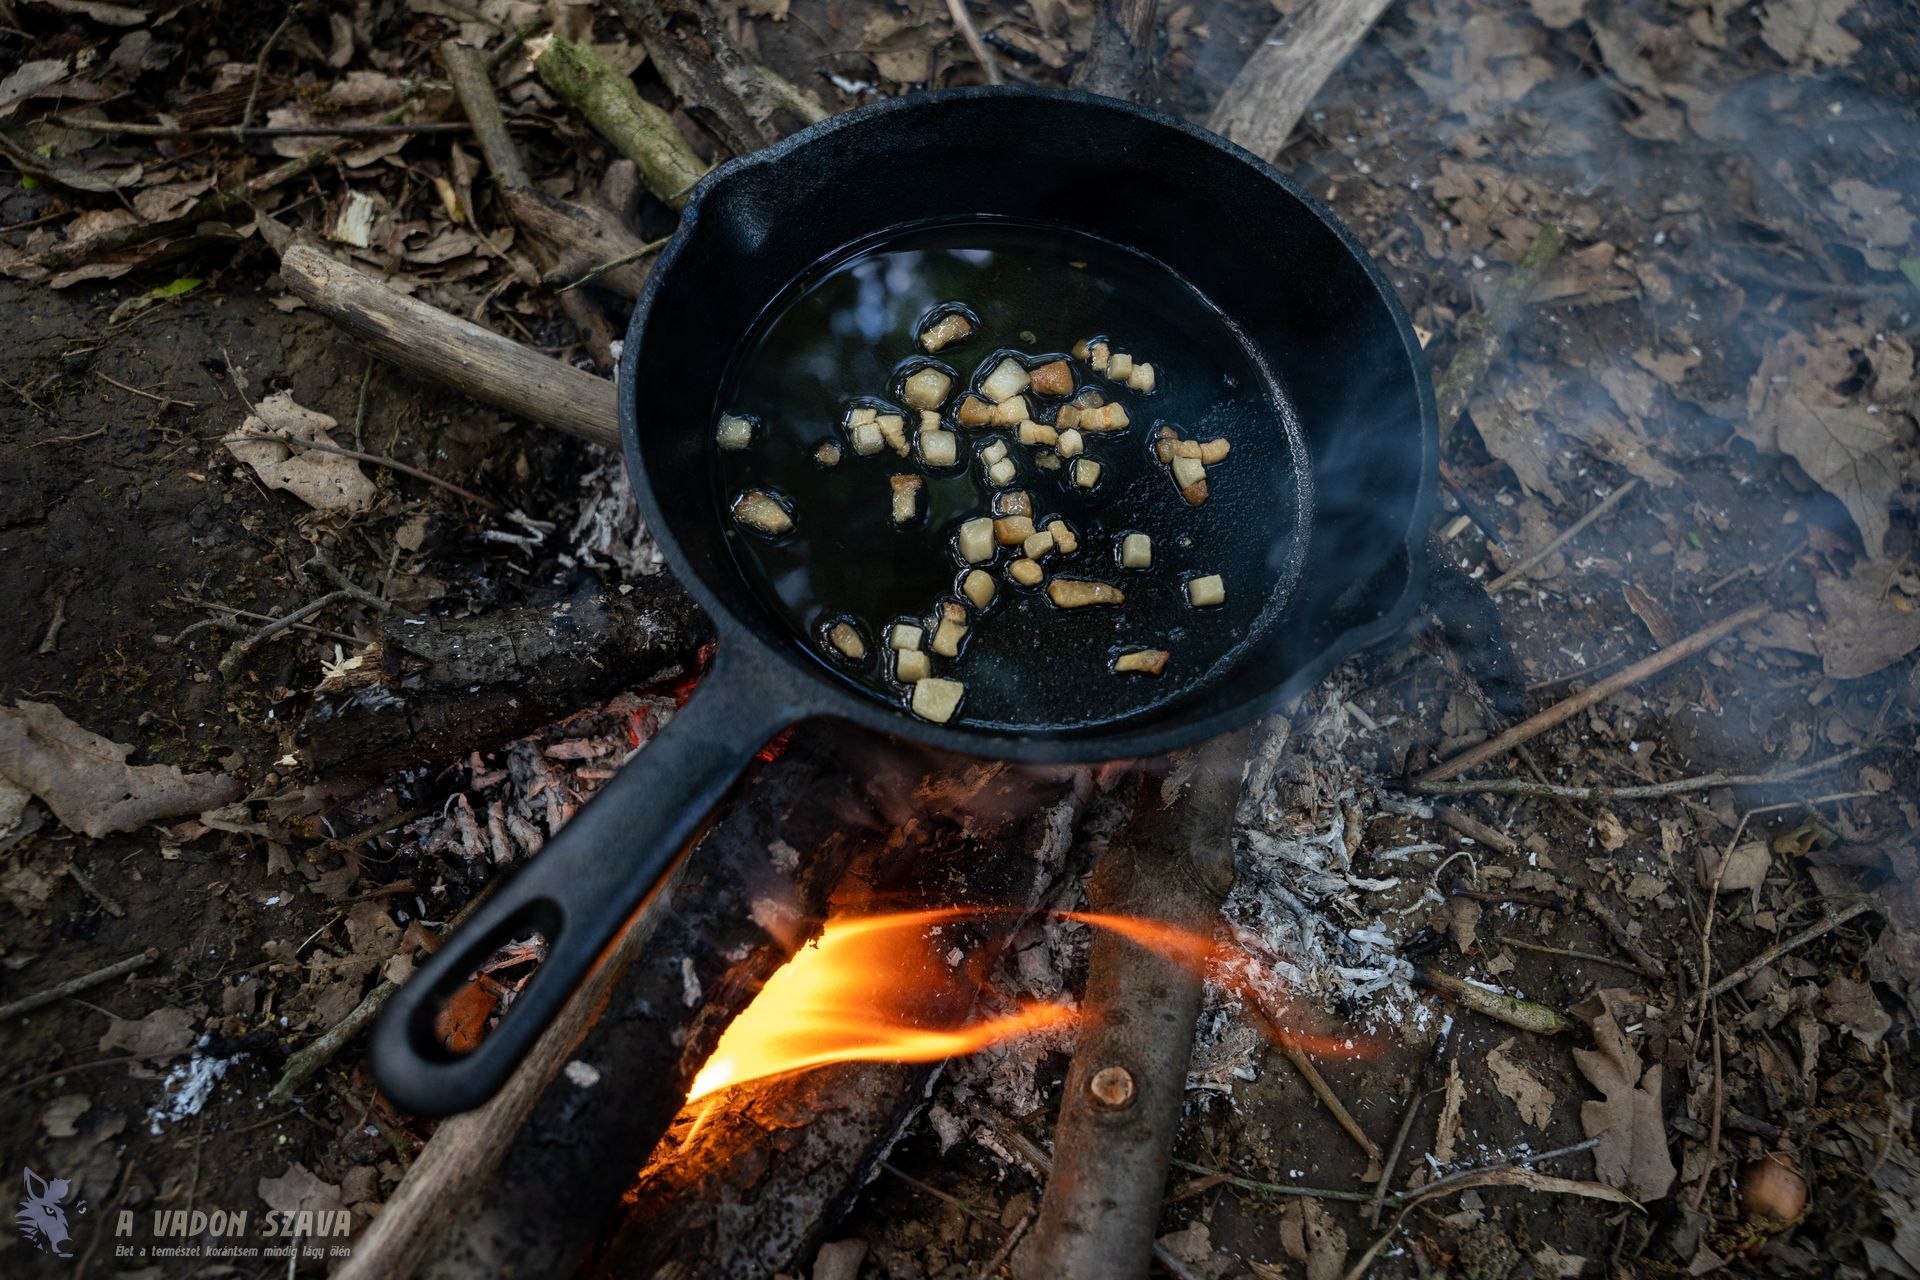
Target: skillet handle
column 580, row 891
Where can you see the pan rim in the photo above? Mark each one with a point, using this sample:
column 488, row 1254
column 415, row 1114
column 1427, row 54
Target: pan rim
column 816, row 693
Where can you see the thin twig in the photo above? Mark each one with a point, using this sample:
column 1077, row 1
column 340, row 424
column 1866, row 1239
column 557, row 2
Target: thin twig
column 1639, row 791
column 1826, row 925
column 1005, row 1250
column 1274, row 1188
column 946, row 1196
column 149, row 395
column 74, row 986
column 262, row 132
column 1567, row 708
column 1317, row 1082
column 260, row 62
column 379, row 460
column 1593, row 957
column 964, row 22
column 1526, row 563
column 614, row 264
column 92, row 890
column 360, row 408
column 1599, row 910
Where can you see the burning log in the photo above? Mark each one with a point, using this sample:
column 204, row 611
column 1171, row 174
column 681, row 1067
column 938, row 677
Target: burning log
column 435, row 688
column 1172, row 864
column 753, row 1177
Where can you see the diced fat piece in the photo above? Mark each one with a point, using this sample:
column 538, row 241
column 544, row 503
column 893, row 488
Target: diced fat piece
column 1215, row 450
column 974, row 412
column 926, row 388
column 1142, row 378
column 1026, row 573
column 1080, row 349
column 1047, row 460
column 1097, row 356
column 1207, row 451
column 976, row 539
column 1071, row 443
column 1032, row 432
column 906, row 497
column 1067, row 415
column 1108, row 417
column 1002, row 472
column 845, row 637
column 904, row 635
column 1014, row 502
column 936, row 699
column 995, row 451
column 893, row 429
column 1011, row 531
column 1086, row 472
column 1008, row 379
column 1054, row 378
column 1037, row 545
column 1089, row 399
column 762, row 511
column 827, row 454
column 978, row 587
column 1188, row 472
column 860, row 414
column 950, row 630
column 867, row 439
column 1208, row 591
column 1136, row 551
column 1120, row 366
column 910, row 665
column 734, row 431
column 929, row 420
column 1009, row 413
column 944, row 332
column 939, row 447
column 1065, row 540
column 1078, row 593
column 1149, row 662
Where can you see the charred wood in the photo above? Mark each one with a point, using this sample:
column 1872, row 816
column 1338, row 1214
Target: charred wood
column 435, row 688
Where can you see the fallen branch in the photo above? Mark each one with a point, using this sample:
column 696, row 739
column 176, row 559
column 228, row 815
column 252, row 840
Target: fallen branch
column 1527, row 1015
column 704, row 67
column 608, row 101
column 74, row 986
column 1483, row 334
column 1637, row 791
column 1600, row 508
column 1617, row 930
column 1286, row 72
column 1567, row 708
column 426, row 341
column 1120, row 1105
column 1827, row 924
column 1323, row 1091
column 237, row 133
column 1119, row 60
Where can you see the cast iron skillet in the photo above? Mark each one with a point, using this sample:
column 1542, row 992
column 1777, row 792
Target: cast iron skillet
column 1309, row 301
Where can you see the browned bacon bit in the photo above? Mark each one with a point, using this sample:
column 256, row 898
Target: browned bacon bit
column 944, row 332
column 1055, row 378
column 1078, row 593
column 1149, row 662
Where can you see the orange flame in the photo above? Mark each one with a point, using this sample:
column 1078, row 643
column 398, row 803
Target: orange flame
column 878, row 989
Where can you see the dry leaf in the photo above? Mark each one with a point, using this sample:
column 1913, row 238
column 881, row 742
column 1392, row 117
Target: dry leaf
column 324, row 481
column 1874, row 217
column 85, row 779
column 1446, row 1130
column 1852, row 1006
column 1868, row 624
column 1555, row 15
column 1311, row 1235
column 1796, row 406
column 1671, row 367
column 1746, row 869
column 1632, row 1154
column 28, row 79
column 299, row 1191
column 1808, row 30
column 1609, row 830
column 164, row 1033
column 1534, row 1101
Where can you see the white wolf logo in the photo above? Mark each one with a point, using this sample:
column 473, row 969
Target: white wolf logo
column 42, row 1218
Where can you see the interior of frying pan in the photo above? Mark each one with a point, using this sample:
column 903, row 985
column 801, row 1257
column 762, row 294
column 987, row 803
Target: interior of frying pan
column 1329, row 417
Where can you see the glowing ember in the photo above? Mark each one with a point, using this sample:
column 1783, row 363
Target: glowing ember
column 880, row 989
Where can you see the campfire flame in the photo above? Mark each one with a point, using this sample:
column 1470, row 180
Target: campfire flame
column 887, row 988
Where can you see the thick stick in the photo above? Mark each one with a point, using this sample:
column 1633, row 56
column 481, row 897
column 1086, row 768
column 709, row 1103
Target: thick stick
column 704, row 67
column 608, row 101
column 1566, row 709
column 1266, row 100
column 1119, row 62
column 74, row 986
column 1121, row 1103
column 426, row 341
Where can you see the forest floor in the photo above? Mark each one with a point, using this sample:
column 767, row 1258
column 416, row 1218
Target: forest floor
column 1729, row 330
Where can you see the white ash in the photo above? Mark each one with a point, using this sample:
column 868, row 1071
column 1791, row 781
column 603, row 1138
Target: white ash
column 188, row 1087
column 607, row 531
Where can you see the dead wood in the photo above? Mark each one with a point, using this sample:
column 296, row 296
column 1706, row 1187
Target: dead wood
column 608, row 101
column 1599, row 691
column 753, row 1187
column 427, row 342
column 1173, row 862
column 524, row 1181
column 432, row 689
column 1119, row 61
column 1286, row 72
column 735, row 94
